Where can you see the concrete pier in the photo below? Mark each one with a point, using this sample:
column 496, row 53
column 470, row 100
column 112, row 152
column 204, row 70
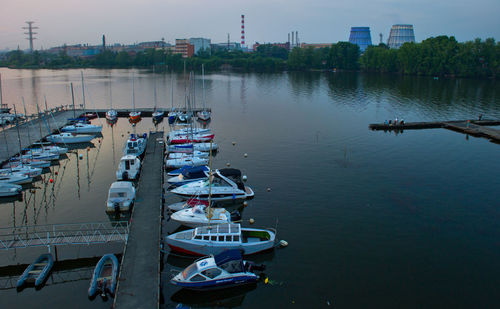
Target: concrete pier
column 139, row 279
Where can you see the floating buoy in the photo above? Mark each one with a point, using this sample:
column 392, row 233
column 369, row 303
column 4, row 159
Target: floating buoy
column 266, row 281
column 245, row 204
column 56, row 173
column 51, row 180
column 80, row 156
column 244, row 177
column 252, row 221
column 245, row 155
column 228, row 164
column 283, row 243
column 268, row 189
column 234, row 143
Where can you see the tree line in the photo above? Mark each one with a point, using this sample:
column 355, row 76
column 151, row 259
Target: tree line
column 437, row 56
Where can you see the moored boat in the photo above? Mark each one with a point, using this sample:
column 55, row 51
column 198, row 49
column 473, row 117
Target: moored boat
column 128, row 168
column 188, row 175
column 37, row 271
column 82, row 128
column 121, row 197
column 202, row 215
column 188, row 160
column 135, row 145
column 8, row 189
column 111, row 115
column 189, row 147
column 15, row 178
column 69, row 138
column 104, row 278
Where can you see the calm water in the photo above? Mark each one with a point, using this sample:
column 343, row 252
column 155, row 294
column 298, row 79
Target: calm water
column 372, row 219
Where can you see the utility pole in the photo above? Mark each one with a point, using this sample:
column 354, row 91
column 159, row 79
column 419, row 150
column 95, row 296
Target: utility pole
column 30, row 33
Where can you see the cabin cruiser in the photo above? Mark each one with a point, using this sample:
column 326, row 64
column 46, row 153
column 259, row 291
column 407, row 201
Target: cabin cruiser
column 135, row 145
column 82, row 128
column 200, row 215
column 224, row 270
column 191, row 138
column 128, row 168
column 189, row 147
column 187, row 160
column 69, row 138
column 226, row 185
column 196, row 153
column 8, row 189
column 188, row 175
column 121, row 197
column 215, row 239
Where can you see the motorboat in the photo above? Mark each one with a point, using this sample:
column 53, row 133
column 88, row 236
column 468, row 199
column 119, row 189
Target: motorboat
column 31, row 171
column 187, row 131
column 111, row 115
column 134, row 116
column 15, row 178
column 128, row 168
column 82, row 128
column 204, row 115
column 172, row 116
column 215, row 239
column 8, row 189
column 104, row 278
column 37, row 272
column 188, row 175
column 135, row 145
column 121, row 196
column 200, row 215
column 27, row 162
column 37, row 155
column 186, row 204
column 188, row 160
column 158, row 115
column 49, row 148
column 192, row 138
column 224, row 270
column 196, row 153
column 69, row 138
column 227, row 185
column 89, row 115
column 189, row 147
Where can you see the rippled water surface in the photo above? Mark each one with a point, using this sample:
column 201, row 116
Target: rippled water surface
column 372, row 219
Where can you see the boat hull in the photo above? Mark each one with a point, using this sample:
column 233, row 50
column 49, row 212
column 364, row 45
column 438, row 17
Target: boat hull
column 217, row 284
column 37, row 271
column 97, row 282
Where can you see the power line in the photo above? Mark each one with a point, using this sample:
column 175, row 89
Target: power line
column 30, row 33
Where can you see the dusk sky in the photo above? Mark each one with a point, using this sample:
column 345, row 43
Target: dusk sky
column 317, row 21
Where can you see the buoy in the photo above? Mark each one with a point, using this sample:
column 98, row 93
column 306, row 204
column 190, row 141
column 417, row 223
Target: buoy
column 268, row 189
column 99, row 141
column 252, row 221
column 283, row 243
column 228, row 164
column 80, row 156
column 234, row 143
column 266, row 281
column 245, row 155
column 244, row 177
column 56, row 173
column 245, row 204
column 51, row 180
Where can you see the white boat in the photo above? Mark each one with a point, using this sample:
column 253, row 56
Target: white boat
column 128, row 168
column 82, row 128
column 187, row 131
column 224, row 270
column 204, row 114
column 189, row 147
column 188, row 160
column 186, row 205
column 192, row 138
column 15, row 178
column 215, row 239
column 135, row 145
column 50, row 148
column 226, row 185
column 200, row 215
column 69, row 138
column 37, row 155
column 195, row 173
column 30, row 171
column 7, row 189
column 196, row 153
column 27, row 162
column 111, row 115
column 121, row 196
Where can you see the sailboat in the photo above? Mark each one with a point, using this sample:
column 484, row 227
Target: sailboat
column 204, row 114
column 3, row 107
column 111, row 114
column 157, row 114
column 86, row 115
column 172, row 115
column 134, row 116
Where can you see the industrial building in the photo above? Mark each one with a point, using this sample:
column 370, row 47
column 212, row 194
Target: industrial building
column 399, row 35
column 361, row 36
column 200, row 44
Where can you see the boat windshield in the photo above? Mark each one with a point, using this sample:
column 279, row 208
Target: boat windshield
column 188, row 272
column 117, row 194
column 219, row 182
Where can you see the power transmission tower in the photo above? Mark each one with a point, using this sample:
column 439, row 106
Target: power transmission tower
column 30, row 33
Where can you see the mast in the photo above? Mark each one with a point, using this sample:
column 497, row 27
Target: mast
column 1, row 94
column 209, row 214
column 203, row 85
column 73, row 100
column 6, row 144
column 29, row 137
column 154, row 81
column 18, row 136
column 83, row 94
column 47, row 109
column 172, row 89
column 133, row 93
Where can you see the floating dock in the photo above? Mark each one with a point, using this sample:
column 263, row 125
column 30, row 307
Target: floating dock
column 139, row 278
column 146, row 112
column 471, row 127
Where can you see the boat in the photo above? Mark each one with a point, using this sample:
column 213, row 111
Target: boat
column 192, row 138
column 226, row 185
column 158, row 116
column 121, row 197
column 204, row 114
column 82, row 128
column 111, row 115
column 187, row 131
column 188, row 175
column 189, row 147
column 30, row 171
column 27, row 162
column 37, row 155
column 104, row 278
column 178, row 155
column 37, row 271
column 49, row 148
column 200, row 215
column 4, row 108
column 224, row 270
column 188, row 160
column 69, row 138
column 15, row 178
column 135, row 145
column 8, row 189
column 215, row 239
column 89, row 115
column 134, row 116
column 186, row 204
column 128, row 168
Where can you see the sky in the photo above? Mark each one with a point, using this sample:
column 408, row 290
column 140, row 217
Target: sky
column 317, row 21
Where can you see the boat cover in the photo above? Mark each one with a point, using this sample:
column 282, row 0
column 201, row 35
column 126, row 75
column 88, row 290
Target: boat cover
column 195, row 172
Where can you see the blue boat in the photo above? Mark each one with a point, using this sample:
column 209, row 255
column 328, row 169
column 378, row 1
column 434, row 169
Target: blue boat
column 193, row 173
column 179, row 171
column 104, row 279
column 227, row 269
column 37, row 271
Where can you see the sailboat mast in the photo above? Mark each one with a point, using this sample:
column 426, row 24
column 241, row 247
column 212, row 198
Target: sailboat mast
column 1, row 94
column 46, row 110
column 172, row 89
column 133, row 93
column 154, row 81
column 83, row 94
column 203, row 85
column 18, row 134
column 73, row 100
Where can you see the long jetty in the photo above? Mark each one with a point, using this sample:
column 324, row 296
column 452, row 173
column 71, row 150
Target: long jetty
column 139, row 279
column 147, row 112
column 471, row 127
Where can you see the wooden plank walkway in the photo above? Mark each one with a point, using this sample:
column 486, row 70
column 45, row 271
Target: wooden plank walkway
column 139, row 279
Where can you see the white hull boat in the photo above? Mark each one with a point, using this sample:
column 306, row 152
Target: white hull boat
column 135, row 145
column 192, row 138
column 186, row 148
column 196, row 153
column 226, row 185
column 82, row 128
column 28, row 162
column 37, row 155
column 189, row 160
column 15, row 178
column 204, row 115
column 186, row 205
column 215, row 239
column 7, row 189
column 111, row 115
column 121, row 197
column 26, row 170
column 69, row 138
column 201, row 215
column 128, row 168
column 187, row 131
column 51, row 148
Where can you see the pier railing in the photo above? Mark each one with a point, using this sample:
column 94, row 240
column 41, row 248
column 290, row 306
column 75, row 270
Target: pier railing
column 63, row 234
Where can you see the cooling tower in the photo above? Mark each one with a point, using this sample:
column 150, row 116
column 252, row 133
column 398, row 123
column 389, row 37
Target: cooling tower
column 361, row 36
column 399, row 35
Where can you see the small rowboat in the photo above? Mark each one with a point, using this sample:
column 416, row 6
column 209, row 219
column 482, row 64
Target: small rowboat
column 104, row 277
column 37, row 271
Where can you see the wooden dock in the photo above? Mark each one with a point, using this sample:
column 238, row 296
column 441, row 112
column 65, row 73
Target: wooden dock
column 471, row 127
column 139, row 279
column 146, row 112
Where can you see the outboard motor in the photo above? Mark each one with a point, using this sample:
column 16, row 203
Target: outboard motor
column 125, row 175
column 116, row 206
column 235, row 216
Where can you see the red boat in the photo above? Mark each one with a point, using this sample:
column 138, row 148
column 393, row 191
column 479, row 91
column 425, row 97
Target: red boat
column 196, row 138
column 89, row 115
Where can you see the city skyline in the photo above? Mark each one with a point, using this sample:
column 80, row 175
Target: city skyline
column 317, row 21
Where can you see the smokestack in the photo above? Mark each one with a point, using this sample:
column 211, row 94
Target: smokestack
column 297, row 38
column 292, row 39
column 103, row 41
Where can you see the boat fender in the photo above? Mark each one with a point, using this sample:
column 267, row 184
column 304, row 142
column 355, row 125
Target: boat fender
column 251, row 221
column 283, row 243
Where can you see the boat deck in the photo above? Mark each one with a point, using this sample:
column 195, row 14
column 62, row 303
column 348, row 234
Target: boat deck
column 139, row 279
